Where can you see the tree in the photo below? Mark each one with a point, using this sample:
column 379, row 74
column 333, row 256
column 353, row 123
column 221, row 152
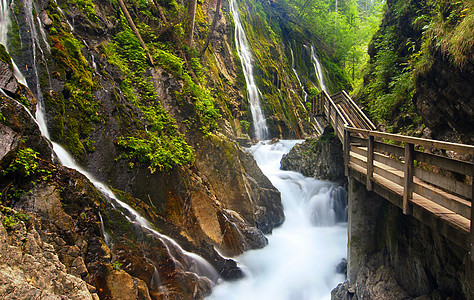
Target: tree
column 192, row 20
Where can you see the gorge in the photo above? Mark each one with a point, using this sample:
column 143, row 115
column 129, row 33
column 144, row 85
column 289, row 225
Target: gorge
column 152, row 167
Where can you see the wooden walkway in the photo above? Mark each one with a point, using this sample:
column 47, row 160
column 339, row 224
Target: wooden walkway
column 436, row 189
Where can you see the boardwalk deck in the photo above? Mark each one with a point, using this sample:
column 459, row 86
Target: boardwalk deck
column 434, row 189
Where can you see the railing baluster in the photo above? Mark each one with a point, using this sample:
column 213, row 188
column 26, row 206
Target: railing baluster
column 370, row 163
column 408, row 181
column 347, row 151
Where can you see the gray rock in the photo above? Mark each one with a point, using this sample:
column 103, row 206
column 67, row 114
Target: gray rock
column 321, row 158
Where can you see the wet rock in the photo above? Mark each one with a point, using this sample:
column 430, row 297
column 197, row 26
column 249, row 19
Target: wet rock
column 8, row 82
column 29, row 267
column 342, row 267
column 123, row 286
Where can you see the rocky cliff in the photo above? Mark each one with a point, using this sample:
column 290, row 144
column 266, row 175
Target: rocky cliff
column 157, row 124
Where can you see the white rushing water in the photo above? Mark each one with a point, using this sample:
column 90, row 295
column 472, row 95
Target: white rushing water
column 301, row 257
column 318, row 70
column 194, row 263
column 243, row 49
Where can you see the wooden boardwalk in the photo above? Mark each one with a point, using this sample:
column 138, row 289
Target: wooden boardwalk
column 420, row 176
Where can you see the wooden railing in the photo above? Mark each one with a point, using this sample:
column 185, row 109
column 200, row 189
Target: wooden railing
column 436, row 189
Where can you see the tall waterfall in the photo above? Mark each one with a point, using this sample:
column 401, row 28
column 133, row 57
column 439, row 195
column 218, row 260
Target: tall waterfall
column 243, row 49
column 194, row 263
column 318, row 70
column 302, row 255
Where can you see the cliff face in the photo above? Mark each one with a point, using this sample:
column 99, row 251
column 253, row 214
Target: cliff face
column 420, row 70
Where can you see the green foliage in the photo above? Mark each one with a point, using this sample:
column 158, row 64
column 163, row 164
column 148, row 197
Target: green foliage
column 159, row 153
column 25, row 163
column 87, row 7
column 117, row 265
column 161, row 146
column 449, row 29
column 12, row 218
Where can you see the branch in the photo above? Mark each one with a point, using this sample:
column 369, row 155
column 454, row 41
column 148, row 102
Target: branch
column 211, row 30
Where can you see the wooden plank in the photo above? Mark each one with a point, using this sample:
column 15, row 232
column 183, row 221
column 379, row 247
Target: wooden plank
column 388, row 148
column 386, row 160
column 370, row 163
column 358, row 140
column 449, row 184
column 359, row 150
column 408, row 182
column 360, row 161
column 468, row 149
column 447, row 163
column 451, row 202
column 450, row 225
column 391, row 174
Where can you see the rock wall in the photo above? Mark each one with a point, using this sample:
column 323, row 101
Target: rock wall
column 321, row 158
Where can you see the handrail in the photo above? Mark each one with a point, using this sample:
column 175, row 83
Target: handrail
column 468, row 149
column 361, row 113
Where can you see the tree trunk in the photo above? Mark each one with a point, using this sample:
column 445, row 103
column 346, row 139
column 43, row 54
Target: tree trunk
column 213, row 25
column 192, row 15
column 162, row 15
column 135, row 30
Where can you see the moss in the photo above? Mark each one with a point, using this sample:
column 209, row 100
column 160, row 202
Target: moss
column 5, row 57
column 75, row 109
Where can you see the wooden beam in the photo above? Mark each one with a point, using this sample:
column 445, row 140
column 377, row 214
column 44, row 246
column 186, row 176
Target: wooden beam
column 469, row 149
column 471, row 234
column 408, row 182
column 370, row 163
column 347, row 151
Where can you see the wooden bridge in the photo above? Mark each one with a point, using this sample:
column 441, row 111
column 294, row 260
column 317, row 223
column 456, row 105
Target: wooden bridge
column 436, row 189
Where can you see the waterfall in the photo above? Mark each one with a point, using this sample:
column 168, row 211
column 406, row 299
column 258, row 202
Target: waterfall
column 243, row 49
column 293, row 67
column 318, row 70
column 302, row 255
column 194, row 263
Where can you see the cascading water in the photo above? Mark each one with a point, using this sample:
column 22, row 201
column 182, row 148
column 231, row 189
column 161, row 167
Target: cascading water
column 293, row 67
column 301, row 257
column 243, row 49
column 318, row 70
column 194, row 262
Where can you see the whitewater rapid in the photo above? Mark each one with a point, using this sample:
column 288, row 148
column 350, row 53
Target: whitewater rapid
column 301, row 257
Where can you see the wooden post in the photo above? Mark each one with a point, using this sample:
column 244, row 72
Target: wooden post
column 370, row 164
column 408, row 180
column 471, row 233
column 347, row 151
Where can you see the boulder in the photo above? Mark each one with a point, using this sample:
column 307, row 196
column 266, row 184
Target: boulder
column 321, row 158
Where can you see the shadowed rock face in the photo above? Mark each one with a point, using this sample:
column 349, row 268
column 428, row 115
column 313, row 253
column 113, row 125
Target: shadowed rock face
column 444, row 99
column 322, row 158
